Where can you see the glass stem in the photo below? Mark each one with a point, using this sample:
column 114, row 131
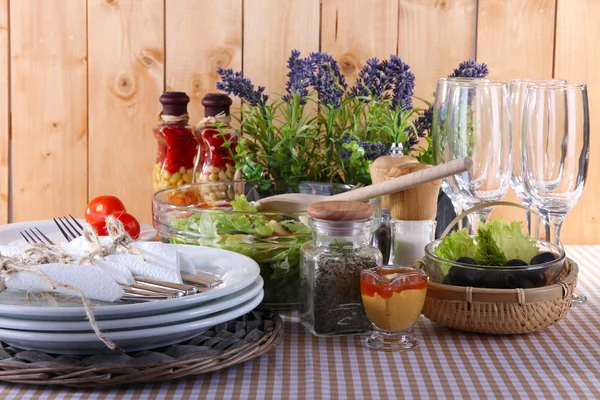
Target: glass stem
column 476, row 218
column 556, row 219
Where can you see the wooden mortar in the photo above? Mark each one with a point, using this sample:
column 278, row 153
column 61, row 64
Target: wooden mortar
column 380, row 168
column 418, row 203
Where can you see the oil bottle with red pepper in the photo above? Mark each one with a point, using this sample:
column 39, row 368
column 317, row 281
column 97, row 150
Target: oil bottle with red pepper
column 218, row 141
column 177, row 143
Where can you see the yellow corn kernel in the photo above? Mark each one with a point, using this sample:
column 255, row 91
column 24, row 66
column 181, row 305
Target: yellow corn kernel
column 175, row 177
column 166, row 175
column 214, row 177
column 187, row 178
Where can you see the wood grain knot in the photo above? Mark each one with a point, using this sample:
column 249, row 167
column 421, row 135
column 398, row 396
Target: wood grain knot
column 442, row 4
column 112, row 2
column 56, row 124
column 150, row 57
column 197, row 86
column 349, row 63
column 220, row 57
column 124, row 86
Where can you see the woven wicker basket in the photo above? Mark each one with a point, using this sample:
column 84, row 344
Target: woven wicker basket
column 501, row 311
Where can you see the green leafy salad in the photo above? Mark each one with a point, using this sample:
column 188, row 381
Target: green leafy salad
column 496, row 244
column 272, row 241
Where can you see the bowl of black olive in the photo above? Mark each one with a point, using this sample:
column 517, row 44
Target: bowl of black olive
column 543, row 269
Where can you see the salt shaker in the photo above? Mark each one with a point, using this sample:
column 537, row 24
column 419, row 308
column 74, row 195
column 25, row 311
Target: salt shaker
column 413, row 214
column 330, row 268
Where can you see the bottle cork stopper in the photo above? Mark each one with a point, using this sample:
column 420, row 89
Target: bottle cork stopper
column 418, row 203
column 381, row 166
column 174, row 103
column 216, row 103
column 340, row 210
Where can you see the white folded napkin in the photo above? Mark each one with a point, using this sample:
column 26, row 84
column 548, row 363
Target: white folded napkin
column 10, row 251
column 162, row 261
column 93, row 282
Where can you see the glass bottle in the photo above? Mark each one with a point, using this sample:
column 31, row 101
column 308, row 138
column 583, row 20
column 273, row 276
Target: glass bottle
column 218, row 141
column 177, row 143
column 330, row 268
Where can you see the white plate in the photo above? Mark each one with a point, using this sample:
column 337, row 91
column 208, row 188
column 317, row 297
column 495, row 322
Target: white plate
column 194, row 313
column 237, row 272
column 131, row 340
column 10, row 236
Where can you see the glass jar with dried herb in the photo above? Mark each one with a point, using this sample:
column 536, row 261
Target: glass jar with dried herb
column 330, row 268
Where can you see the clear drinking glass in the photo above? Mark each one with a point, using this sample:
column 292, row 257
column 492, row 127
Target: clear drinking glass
column 477, row 123
column 517, row 102
column 555, row 150
column 393, row 297
column 438, row 127
column 409, row 239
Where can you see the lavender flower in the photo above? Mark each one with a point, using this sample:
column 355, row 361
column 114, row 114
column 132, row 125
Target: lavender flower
column 372, row 80
column 403, row 82
column 236, row 84
column 372, row 150
column 423, row 123
column 299, row 77
column 470, row 69
column 327, row 79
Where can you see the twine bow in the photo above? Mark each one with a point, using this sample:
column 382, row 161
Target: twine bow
column 173, row 118
column 119, row 237
column 220, row 118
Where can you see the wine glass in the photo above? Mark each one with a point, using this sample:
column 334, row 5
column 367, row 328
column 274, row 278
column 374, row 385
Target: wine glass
column 477, row 123
column 438, row 127
column 517, row 96
column 555, row 150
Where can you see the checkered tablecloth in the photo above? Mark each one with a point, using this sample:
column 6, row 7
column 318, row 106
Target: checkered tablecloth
column 562, row 361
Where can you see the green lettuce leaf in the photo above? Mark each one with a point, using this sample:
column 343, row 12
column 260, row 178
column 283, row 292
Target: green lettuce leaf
column 511, row 240
column 240, row 203
column 456, row 245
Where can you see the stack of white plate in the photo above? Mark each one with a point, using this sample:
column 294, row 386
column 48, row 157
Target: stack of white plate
column 59, row 325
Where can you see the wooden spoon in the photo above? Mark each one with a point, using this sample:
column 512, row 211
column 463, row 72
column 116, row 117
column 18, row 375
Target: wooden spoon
column 295, row 202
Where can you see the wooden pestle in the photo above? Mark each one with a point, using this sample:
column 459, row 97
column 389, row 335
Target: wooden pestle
column 418, row 203
column 380, row 168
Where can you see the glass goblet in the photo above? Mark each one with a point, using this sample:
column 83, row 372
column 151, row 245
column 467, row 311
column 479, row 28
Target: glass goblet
column 393, row 297
column 478, row 126
column 517, row 90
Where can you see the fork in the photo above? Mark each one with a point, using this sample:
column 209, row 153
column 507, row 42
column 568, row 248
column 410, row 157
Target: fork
column 69, row 230
column 73, row 230
column 141, row 290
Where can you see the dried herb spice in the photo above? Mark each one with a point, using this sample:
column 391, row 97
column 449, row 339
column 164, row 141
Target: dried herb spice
column 337, row 301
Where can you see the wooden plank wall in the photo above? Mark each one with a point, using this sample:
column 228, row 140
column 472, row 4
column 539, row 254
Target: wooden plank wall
column 80, row 81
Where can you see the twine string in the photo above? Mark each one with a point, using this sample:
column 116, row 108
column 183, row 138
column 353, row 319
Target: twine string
column 13, row 265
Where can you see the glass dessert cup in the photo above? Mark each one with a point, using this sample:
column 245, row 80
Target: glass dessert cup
column 393, row 297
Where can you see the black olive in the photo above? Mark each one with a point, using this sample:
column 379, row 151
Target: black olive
column 543, row 258
column 447, row 280
column 537, row 278
column 515, row 262
column 462, row 276
column 466, row 260
column 500, row 280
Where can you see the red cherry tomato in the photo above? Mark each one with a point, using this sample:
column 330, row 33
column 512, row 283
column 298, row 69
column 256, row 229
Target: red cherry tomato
column 132, row 226
column 100, row 226
column 102, row 206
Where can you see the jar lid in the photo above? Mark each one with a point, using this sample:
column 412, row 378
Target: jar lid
column 340, row 211
column 215, row 104
column 174, row 103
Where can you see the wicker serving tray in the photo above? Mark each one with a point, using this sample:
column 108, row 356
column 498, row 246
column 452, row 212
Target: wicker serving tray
column 222, row 346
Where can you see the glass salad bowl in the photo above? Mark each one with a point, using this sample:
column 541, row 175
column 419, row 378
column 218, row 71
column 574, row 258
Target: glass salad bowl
column 215, row 215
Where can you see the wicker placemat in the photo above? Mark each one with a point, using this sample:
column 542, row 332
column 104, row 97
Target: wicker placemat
column 222, row 346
